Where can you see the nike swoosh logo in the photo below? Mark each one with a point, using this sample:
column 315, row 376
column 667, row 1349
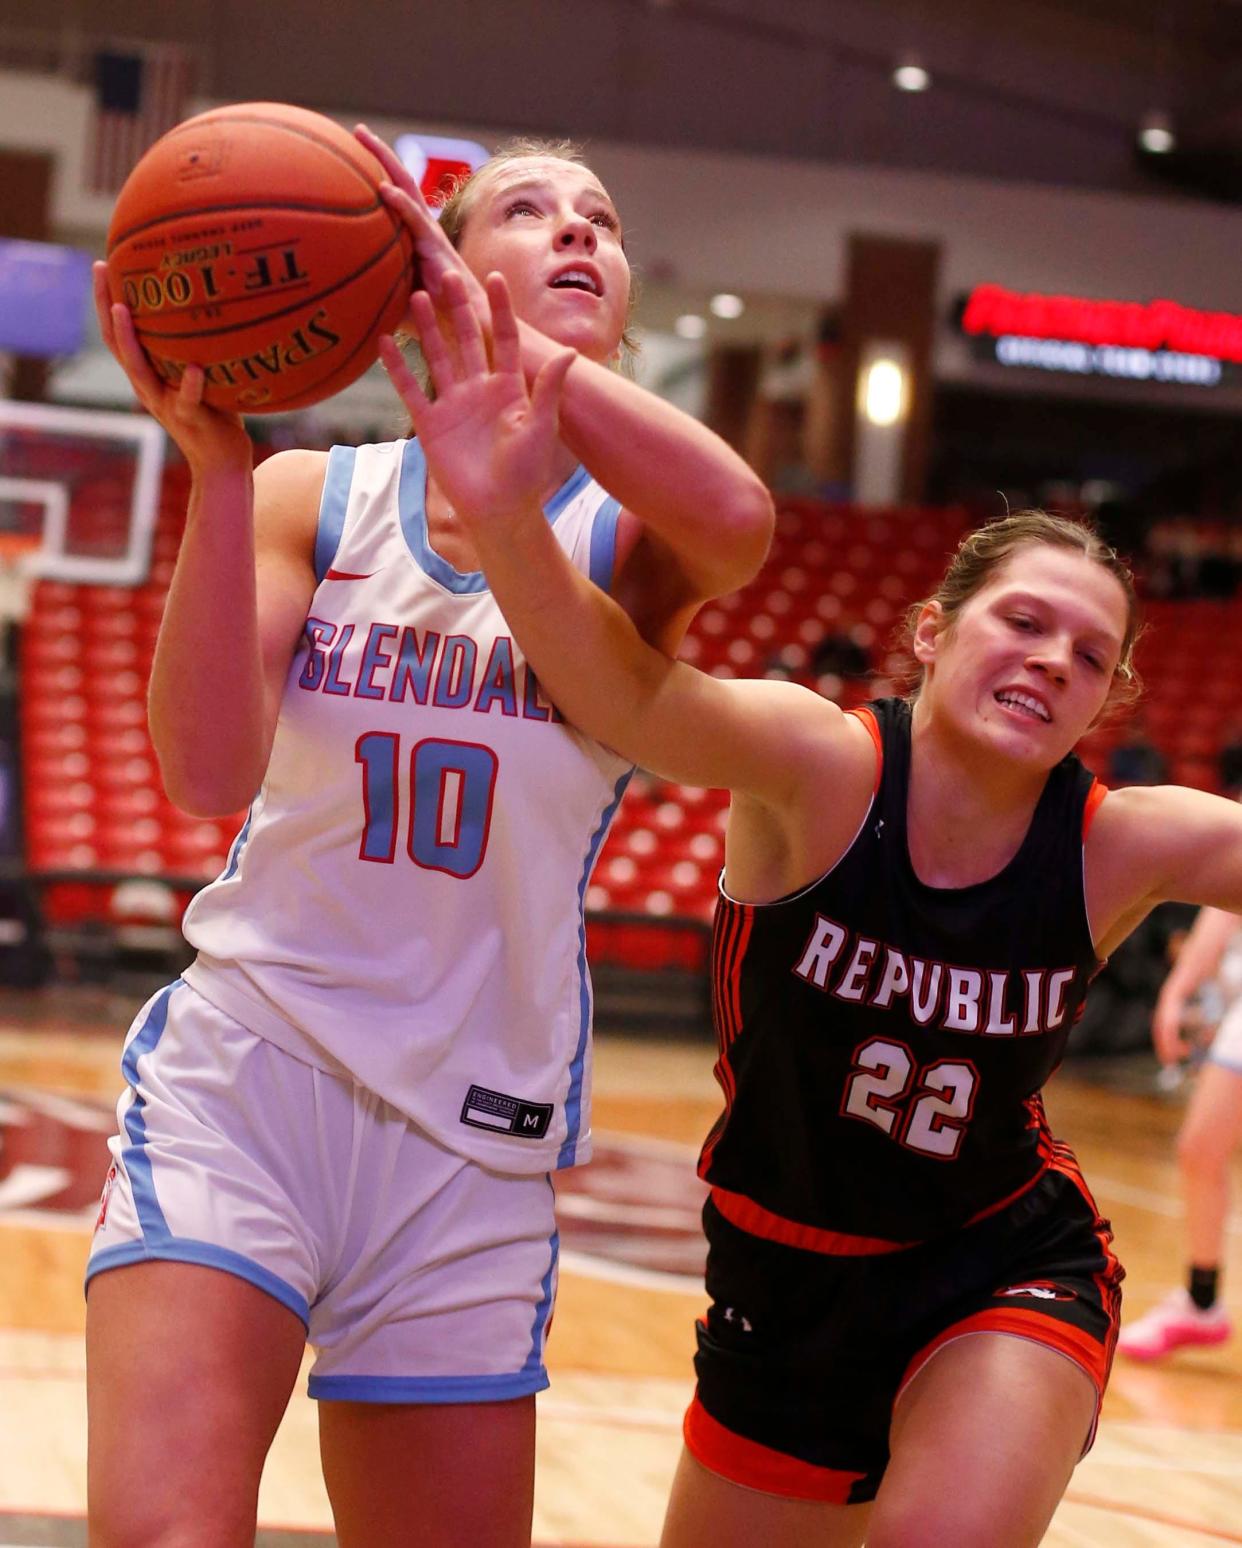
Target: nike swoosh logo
column 347, row 575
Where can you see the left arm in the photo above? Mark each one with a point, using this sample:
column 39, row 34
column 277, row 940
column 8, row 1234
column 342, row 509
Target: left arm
column 1152, row 844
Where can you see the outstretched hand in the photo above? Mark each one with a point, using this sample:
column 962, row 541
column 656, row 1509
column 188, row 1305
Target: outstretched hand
column 1168, row 1030
column 437, row 257
column 208, row 437
column 490, row 443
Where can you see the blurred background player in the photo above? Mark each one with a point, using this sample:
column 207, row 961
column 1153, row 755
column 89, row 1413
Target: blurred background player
column 342, row 1120
column 1208, row 1138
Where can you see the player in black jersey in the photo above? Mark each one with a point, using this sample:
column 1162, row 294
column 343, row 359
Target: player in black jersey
column 914, row 1299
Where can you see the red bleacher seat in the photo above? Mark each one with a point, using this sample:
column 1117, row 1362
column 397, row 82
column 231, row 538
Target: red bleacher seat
column 93, row 798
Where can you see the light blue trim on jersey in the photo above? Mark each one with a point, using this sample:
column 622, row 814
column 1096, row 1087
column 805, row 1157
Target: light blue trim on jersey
column 239, row 843
column 333, row 504
column 412, row 511
column 534, row 1360
column 573, row 485
column 604, row 543
column 573, row 1100
column 1234, row 1066
column 137, row 1161
column 427, row 1389
column 184, row 1249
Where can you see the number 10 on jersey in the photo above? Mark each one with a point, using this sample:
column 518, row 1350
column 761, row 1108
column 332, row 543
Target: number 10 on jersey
column 449, row 816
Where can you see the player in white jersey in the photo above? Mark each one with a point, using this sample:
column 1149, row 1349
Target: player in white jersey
column 1194, row 1314
column 343, row 1120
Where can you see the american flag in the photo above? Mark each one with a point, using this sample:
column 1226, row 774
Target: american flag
column 140, row 93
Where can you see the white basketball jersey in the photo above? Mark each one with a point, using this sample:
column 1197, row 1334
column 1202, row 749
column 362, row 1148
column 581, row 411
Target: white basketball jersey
column 404, row 904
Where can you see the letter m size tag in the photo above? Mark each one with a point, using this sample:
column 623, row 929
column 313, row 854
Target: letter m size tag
column 484, row 1109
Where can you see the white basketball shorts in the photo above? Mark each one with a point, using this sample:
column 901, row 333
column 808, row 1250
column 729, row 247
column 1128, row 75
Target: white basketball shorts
column 421, row 1276
column 1226, row 1046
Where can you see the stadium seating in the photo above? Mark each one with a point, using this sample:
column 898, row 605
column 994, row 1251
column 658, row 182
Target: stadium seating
column 93, row 800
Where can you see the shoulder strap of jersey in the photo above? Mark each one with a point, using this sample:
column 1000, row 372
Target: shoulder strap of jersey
column 866, row 716
column 357, row 479
column 333, row 506
column 603, row 553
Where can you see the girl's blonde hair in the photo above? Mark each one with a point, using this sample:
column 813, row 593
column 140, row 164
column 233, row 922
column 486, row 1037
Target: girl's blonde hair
column 455, row 210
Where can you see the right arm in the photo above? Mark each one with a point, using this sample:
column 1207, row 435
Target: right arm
column 236, row 607
column 1197, row 962
column 239, row 593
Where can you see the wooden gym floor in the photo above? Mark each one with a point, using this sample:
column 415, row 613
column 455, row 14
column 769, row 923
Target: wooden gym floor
column 1166, row 1469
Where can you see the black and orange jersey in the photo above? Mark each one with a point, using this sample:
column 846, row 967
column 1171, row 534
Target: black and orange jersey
column 882, row 1042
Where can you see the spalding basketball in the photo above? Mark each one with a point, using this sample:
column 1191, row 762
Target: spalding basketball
column 252, row 241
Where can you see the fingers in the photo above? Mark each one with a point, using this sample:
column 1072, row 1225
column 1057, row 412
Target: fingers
column 413, row 210
column 103, row 304
column 437, row 257
column 467, row 334
column 545, row 392
column 394, row 168
column 436, row 254
column 1166, row 1033
column 463, row 353
column 130, row 353
column 506, row 343
column 408, row 387
column 116, row 327
column 442, row 367
column 190, row 391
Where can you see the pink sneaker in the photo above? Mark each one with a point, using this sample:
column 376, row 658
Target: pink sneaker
column 1174, row 1323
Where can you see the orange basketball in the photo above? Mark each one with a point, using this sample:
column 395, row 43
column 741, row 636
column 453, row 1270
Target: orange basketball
column 252, row 241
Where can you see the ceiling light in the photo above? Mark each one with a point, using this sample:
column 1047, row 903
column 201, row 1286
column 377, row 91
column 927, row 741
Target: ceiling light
column 690, row 326
column 911, row 76
column 1156, row 134
column 725, row 305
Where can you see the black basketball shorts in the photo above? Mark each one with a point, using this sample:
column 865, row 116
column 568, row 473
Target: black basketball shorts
column 803, row 1355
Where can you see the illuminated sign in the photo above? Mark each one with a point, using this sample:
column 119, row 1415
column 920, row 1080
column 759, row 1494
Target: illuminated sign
column 437, row 163
column 1160, row 341
column 44, row 292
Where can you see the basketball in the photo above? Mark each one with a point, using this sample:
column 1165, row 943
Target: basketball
column 252, row 241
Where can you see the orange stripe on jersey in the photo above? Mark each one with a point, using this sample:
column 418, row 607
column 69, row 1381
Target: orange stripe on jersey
column 710, row 1143
column 1108, row 1279
column 1045, row 1144
column 1095, row 797
column 734, row 922
column 718, row 938
column 729, row 938
column 726, row 921
column 727, row 1082
column 749, row 1216
column 995, row 1209
column 755, row 1466
column 733, row 967
column 867, row 717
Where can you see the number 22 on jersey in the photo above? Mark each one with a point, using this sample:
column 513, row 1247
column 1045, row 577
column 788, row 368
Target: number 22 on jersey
column 451, row 788
column 923, row 1109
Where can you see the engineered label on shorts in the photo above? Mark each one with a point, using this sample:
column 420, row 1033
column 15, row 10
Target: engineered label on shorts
column 484, row 1109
